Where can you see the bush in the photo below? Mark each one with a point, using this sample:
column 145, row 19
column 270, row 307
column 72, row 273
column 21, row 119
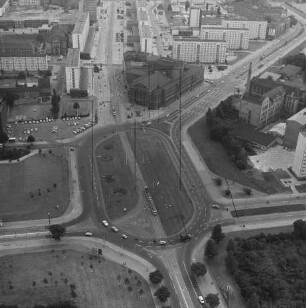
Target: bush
column 218, row 181
column 247, row 191
column 31, row 139
column 227, row 192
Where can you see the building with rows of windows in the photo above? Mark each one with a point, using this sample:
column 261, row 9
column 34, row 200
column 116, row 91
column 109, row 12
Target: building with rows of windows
column 23, row 62
column 80, row 32
column 299, row 161
column 195, row 50
column 73, row 69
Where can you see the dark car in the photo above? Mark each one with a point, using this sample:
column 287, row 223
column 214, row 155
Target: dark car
column 185, row 237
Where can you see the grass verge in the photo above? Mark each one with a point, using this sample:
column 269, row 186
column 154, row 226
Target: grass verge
column 62, row 275
column 116, row 178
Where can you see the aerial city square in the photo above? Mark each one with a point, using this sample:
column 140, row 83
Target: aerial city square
column 152, row 153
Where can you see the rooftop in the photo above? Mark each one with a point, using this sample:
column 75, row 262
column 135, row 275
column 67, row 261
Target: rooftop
column 73, row 57
column 145, row 31
column 2, row 2
column 299, row 117
column 222, row 28
column 194, row 39
column 252, row 99
column 80, row 24
column 143, row 16
column 274, row 92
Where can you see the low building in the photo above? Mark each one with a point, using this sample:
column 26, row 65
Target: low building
column 80, row 32
column 29, row 2
column 295, row 125
column 73, row 69
column 4, row 7
column 235, row 38
column 195, row 50
column 23, row 62
column 299, row 161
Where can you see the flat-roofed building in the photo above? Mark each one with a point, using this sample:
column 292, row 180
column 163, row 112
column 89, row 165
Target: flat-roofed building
column 80, row 32
column 299, row 161
column 146, row 39
column 142, row 16
column 73, row 69
column 4, row 6
column 257, row 28
column 23, row 62
column 195, row 17
column 90, row 6
column 195, row 50
column 185, row 31
column 235, row 38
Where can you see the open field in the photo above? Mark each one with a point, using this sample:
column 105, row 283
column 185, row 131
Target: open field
column 116, row 178
column 64, row 275
column 27, row 188
column 270, row 210
column 217, row 265
column 220, row 163
column 162, row 178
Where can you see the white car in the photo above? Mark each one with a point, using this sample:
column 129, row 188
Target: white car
column 88, row 234
column 161, row 242
column 201, row 300
column 105, row 223
column 215, row 206
column 124, row 236
column 115, row 229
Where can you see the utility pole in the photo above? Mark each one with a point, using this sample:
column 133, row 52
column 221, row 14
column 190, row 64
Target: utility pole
column 135, row 154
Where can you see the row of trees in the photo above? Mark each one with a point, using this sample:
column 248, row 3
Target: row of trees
column 220, row 132
column 55, row 99
column 65, row 304
column 270, row 269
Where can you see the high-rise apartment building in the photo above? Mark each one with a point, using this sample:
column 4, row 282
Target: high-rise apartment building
column 236, row 38
column 195, row 50
column 80, row 32
column 73, row 69
column 299, row 161
column 90, row 6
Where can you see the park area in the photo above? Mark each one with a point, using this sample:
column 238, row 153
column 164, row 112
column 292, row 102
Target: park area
column 65, row 275
column 34, row 187
column 220, row 163
column 173, row 205
column 116, row 178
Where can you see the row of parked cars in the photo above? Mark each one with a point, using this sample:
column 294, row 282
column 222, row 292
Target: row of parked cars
column 46, row 120
column 86, row 126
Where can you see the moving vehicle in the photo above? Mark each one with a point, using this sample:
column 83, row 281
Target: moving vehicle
column 161, row 242
column 115, row 229
column 201, row 300
column 124, row 236
column 150, row 200
column 215, row 206
column 88, row 234
column 12, row 140
column 105, row 223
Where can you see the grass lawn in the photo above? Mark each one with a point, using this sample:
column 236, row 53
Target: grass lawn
column 116, row 178
column 64, row 275
column 27, row 188
column 156, row 166
column 220, row 163
column 68, row 110
column 255, row 45
column 270, row 210
column 217, row 266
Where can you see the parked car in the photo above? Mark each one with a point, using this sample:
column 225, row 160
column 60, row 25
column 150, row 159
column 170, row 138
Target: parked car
column 115, row 229
column 201, row 300
column 105, row 223
column 88, row 234
column 124, row 236
column 215, row 206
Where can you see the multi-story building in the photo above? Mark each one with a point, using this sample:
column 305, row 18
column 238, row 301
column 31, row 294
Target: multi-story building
column 73, row 69
column 29, row 2
column 195, row 50
column 185, row 31
column 156, row 82
column 294, row 125
column 90, row 6
column 4, row 6
column 299, row 161
column 80, row 32
column 262, row 110
column 142, row 17
column 257, row 28
column 146, row 39
column 23, row 62
column 195, row 17
column 235, row 38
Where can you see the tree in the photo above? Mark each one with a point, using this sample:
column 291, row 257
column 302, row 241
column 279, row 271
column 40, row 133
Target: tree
column 210, row 249
column 247, row 191
column 77, row 107
column 55, row 99
column 199, row 269
column 169, row 7
column 57, row 231
column 31, row 139
column 3, row 137
column 219, row 11
column 160, row 7
column 162, row 294
column 40, row 38
column 209, row 118
column 156, row 277
column 268, row 19
column 187, row 5
column 299, row 227
column 212, row 300
column 217, row 234
column 10, row 98
column 218, row 132
column 230, row 246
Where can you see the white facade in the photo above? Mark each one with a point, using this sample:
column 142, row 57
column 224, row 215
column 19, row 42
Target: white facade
column 235, row 38
column 29, row 2
column 23, row 63
column 146, row 39
column 299, row 162
column 142, row 17
column 73, row 69
column 195, row 17
column 199, row 51
column 4, row 7
column 80, row 32
column 258, row 29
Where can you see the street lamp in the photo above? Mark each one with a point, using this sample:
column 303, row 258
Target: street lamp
column 49, row 219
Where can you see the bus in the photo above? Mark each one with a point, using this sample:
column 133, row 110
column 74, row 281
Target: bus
column 149, row 199
column 12, row 140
